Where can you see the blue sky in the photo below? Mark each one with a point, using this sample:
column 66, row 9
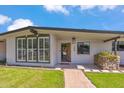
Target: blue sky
column 84, row 17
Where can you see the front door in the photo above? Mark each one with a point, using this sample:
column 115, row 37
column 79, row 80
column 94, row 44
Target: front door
column 66, row 52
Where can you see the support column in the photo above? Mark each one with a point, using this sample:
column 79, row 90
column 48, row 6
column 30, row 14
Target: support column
column 115, row 46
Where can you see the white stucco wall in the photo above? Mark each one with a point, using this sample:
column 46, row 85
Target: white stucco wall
column 95, row 47
column 121, row 54
column 11, row 52
column 55, row 51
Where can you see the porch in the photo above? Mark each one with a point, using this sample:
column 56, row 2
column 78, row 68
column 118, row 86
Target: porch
column 81, row 48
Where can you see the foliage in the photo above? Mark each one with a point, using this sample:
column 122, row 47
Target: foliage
column 107, row 55
column 30, row 78
column 106, row 80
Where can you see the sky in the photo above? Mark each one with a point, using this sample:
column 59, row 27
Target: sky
column 102, row 17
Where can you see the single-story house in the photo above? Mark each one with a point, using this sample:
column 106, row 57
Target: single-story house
column 48, row 46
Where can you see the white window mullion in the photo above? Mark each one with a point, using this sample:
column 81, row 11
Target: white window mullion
column 21, row 54
column 38, row 49
column 27, row 50
column 32, row 48
column 44, row 49
column 17, row 53
column 22, row 49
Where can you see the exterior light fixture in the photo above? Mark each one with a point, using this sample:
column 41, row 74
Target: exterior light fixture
column 73, row 40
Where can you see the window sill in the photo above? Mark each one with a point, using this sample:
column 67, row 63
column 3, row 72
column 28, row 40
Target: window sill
column 31, row 62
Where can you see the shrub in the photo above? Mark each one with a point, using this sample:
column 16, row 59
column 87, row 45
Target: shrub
column 107, row 55
column 106, row 60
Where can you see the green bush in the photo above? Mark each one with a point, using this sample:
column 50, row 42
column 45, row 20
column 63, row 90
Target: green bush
column 104, row 53
column 107, row 55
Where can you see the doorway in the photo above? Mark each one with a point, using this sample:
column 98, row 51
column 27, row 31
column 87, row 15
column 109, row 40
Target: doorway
column 65, row 52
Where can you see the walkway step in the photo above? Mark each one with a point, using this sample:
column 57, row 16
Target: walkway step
column 75, row 78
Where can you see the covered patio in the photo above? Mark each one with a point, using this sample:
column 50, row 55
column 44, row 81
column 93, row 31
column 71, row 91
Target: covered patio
column 98, row 42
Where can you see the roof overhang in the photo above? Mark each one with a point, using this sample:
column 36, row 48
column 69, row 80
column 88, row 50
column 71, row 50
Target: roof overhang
column 69, row 33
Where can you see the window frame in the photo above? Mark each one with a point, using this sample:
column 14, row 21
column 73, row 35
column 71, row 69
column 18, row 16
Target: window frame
column 44, row 56
column 32, row 36
column 117, row 46
column 83, row 43
column 23, row 37
column 32, row 49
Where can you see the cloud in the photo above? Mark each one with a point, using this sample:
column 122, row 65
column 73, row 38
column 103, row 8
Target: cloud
column 87, row 7
column 65, row 10
column 19, row 23
column 100, row 7
column 56, row 8
column 4, row 19
column 107, row 7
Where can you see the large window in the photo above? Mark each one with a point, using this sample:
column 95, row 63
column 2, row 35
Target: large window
column 120, row 46
column 43, row 49
column 83, row 47
column 21, row 49
column 33, row 49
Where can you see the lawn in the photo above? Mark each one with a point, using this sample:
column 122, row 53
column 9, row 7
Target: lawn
column 30, row 78
column 106, row 80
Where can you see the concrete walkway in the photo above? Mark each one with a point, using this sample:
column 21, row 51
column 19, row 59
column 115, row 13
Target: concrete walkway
column 75, row 78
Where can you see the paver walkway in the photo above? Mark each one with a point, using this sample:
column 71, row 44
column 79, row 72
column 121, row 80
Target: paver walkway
column 75, row 78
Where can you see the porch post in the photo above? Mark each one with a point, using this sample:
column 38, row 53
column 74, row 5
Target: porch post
column 115, row 46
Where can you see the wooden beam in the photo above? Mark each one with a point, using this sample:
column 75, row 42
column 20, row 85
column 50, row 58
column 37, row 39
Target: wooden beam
column 2, row 41
column 33, row 31
column 114, row 38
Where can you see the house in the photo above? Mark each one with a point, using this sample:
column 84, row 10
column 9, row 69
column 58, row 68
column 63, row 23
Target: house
column 48, row 46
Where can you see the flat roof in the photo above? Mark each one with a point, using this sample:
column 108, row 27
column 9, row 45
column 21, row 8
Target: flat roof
column 64, row 29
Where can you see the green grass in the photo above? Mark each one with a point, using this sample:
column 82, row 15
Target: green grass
column 30, row 78
column 106, row 80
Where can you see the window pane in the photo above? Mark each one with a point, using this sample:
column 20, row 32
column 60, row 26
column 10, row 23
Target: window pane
column 19, row 43
column 83, row 47
column 41, row 43
column 79, row 47
column 41, row 55
column 113, row 46
column 24, row 54
column 34, row 43
column 24, row 43
column 29, row 55
column 120, row 46
column 47, row 58
column 29, row 43
column 19, row 55
column 34, row 54
column 46, row 43
column 86, row 48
